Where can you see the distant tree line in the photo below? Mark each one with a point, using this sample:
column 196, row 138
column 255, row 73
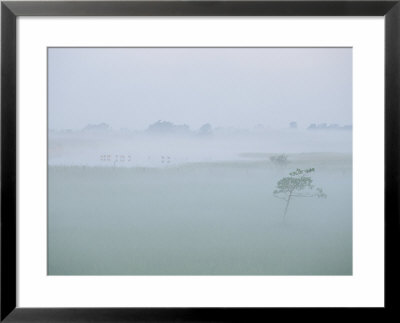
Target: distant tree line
column 166, row 127
column 326, row 126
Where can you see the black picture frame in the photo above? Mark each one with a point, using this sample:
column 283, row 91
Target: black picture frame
column 10, row 10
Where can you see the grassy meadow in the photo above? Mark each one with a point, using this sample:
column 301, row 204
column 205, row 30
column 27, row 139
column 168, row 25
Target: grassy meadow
column 217, row 218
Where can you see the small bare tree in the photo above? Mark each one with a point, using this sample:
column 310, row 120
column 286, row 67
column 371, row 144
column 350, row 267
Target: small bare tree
column 297, row 184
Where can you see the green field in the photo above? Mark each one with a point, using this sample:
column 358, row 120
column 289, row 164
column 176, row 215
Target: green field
column 199, row 219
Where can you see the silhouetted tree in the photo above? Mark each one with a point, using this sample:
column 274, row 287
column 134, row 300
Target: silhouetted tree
column 205, row 130
column 297, row 184
column 166, row 127
column 280, row 160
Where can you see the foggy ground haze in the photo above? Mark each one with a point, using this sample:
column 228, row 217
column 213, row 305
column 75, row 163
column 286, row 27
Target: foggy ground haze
column 150, row 148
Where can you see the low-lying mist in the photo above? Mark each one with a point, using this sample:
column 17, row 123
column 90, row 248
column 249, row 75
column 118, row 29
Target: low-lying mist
column 200, row 218
column 143, row 149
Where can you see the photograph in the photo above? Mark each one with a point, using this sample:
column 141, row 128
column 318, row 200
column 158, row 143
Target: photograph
column 200, row 161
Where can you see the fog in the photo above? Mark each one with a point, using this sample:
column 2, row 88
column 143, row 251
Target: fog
column 228, row 87
column 144, row 149
column 199, row 219
column 174, row 161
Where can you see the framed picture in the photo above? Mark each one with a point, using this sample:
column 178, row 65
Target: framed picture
column 198, row 160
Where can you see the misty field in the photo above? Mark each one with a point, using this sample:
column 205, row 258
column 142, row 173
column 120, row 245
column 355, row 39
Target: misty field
column 199, row 219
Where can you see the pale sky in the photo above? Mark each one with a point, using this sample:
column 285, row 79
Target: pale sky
column 240, row 87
